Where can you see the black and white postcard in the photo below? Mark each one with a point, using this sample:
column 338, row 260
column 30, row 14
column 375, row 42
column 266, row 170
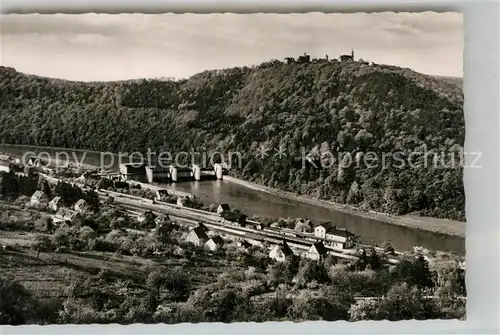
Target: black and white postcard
column 201, row 168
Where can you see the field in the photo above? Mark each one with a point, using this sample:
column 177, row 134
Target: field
column 48, row 276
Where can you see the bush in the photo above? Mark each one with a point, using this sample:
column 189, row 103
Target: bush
column 16, row 303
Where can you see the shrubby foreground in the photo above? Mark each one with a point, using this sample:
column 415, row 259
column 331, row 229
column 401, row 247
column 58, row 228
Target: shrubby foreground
column 108, row 268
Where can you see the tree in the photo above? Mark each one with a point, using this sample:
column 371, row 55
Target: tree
column 306, row 307
column 311, row 271
column 8, row 183
column 49, row 225
column 156, row 280
column 192, row 202
column 41, row 243
column 16, row 303
column 413, row 271
column 44, row 224
column 234, row 216
column 450, row 288
column 364, row 309
column 227, row 305
column 373, row 260
column 404, row 302
column 388, row 248
column 45, row 187
column 163, row 231
column 449, row 278
column 282, row 272
column 68, row 193
column 78, row 312
column 274, row 308
column 177, row 282
column 92, row 199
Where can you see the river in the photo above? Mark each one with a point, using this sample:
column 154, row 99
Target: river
column 257, row 202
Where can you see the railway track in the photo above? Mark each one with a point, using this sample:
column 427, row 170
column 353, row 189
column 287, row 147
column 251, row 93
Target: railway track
column 211, row 220
column 192, row 217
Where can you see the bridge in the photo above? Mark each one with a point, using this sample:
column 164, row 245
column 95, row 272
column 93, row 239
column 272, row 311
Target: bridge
column 173, row 173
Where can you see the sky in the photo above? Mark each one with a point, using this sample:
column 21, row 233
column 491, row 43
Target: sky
column 104, row 47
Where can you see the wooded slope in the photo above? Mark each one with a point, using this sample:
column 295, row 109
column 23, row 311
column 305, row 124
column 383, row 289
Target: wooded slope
column 322, row 107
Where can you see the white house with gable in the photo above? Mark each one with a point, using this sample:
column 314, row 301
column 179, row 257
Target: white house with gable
column 281, row 252
column 333, row 236
column 38, row 197
column 81, row 206
column 54, row 203
column 215, row 243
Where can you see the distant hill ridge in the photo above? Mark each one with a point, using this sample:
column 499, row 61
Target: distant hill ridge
column 321, row 106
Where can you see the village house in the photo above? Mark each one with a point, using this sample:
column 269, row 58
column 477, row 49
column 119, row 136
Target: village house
column 181, row 199
column 147, row 215
column 6, row 166
column 7, row 163
column 54, row 204
column 141, row 217
column 281, row 252
column 11, row 159
column 81, row 179
column 64, row 215
column 161, row 194
column 275, row 224
column 215, row 243
column 316, row 252
column 197, row 236
column 32, row 161
column 256, row 242
column 304, row 226
column 243, row 244
column 81, row 206
column 333, row 236
column 38, row 197
column 162, row 218
column 223, row 208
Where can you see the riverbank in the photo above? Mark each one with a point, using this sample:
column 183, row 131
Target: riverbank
column 441, row 226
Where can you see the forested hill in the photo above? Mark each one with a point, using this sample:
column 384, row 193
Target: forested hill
column 327, row 106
